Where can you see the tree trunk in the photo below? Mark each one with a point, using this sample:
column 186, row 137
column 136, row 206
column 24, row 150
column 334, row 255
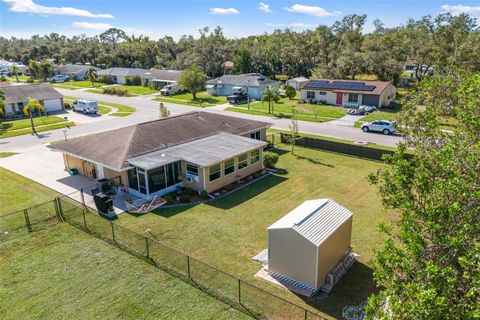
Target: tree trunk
column 194, row 94
column 16, row 76
column 31, row 121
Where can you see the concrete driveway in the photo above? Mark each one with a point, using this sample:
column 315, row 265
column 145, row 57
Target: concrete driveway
column 46, row 167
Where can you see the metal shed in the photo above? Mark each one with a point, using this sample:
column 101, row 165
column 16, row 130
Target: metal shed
column 311, row 242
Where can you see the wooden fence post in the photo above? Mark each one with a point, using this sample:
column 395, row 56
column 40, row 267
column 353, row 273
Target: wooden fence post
column 188, row 267
column 84, row 220
column 113, row 232
column 27, row 220
column 60, row 209
column 147, row 247
column 239, row 292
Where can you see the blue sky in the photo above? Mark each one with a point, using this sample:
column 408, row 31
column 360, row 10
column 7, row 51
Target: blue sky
column 157, row 18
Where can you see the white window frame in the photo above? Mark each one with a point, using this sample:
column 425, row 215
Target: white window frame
column 233, row 165
column 219, row 171
column 311, row 92
column 256, row 135
column 254, row 158
column 239, row 163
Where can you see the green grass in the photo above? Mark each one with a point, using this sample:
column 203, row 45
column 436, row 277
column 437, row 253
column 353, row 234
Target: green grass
column 390, row 115
column 203, row 99
column 13, row 128
column 228, row 232
column 73, row 85
column 20, row 79
column 283, row 109
column 63, row 273
column 7, row 154
column 135, row 90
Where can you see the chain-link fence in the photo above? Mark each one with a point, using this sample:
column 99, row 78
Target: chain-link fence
column 244, row 296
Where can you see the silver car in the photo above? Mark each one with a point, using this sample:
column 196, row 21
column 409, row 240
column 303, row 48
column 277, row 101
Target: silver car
column 384, row 126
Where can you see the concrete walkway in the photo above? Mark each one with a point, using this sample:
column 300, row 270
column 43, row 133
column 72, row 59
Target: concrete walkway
column 347, row 120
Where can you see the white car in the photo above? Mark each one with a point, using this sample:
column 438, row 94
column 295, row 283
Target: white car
column 384, row 126
column 171, row 89
column 59, row 78
column 85, row 106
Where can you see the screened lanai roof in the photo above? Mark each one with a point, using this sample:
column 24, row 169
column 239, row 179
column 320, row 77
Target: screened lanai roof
column 203, row 152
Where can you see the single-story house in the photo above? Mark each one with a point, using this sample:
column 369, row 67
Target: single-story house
column 121, row 75
column 16, row 97
column 251, row 83
column 199, row 150
column 306, row 245
column 161, row 77
column 7, row 66
column 349, row 93
column 297, row 83
column 74, row 71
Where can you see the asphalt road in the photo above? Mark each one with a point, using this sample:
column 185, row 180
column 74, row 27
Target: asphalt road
column 147, row 110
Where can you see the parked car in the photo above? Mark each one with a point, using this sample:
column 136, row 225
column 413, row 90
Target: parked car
column 58, row 78
column 85, row 106
column 384, row 126
column 171, row 89
column 238, row 98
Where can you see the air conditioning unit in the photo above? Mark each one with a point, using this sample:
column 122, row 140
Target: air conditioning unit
column 330, row 278
column 190, row 179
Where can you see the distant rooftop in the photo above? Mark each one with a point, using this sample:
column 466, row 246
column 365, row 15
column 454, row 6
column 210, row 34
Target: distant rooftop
column 352, row 86
column 250, row 79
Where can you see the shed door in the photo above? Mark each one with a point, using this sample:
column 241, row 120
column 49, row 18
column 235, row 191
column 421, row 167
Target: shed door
column 52, row 105
column 339, row 98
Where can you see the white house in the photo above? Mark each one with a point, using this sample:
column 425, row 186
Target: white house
column 306, row 246
column 297, row 83
column 16, row 97
column 161, row 77
column 251, row 83
column 121, row 75
column 349, row 93
column 74, row 71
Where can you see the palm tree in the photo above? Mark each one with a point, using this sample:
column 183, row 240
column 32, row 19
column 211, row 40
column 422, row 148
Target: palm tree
column 32, row 106
column 92, row 75
column 270, row 95
column 15, row 71
column 46, row 70
column 34, row 69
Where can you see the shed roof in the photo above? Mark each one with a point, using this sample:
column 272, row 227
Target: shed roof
column 254, row 80
column 204, row 151
column 113, row 148
column 347, row 86
column 315, row 220
column 165, row 75
column 122, row 72
column 21, row 93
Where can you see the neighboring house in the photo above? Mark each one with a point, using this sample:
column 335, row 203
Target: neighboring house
column 252, row 83
column 74, row 71
column 308, row 244
column 121, row 75
column 6, row 67
column 349, row 93
column 161, row 77
column 199, row 150
column 297, row 83
column 16, row 97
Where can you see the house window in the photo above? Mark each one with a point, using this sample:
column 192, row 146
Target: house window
column 310, row 95
column 254, row 156
column 352, row 98
column 229, row 167
column 132, row 179
column 242, row 161
column 255, row 135
column 173, row 173
column 156, row 179
column 215, row 172
column 192, row 169
column 322, row 93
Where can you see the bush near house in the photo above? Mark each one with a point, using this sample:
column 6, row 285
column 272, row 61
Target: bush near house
column 115, row 91
column 106, row 79
column 134, row 80
column 270, row 159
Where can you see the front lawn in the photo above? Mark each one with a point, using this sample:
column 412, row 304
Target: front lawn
column 20, row 79
column 73, row 85
column 12, row 128
column 283, row 109
column 227, row 233
column 135, row 90
column 203, row 99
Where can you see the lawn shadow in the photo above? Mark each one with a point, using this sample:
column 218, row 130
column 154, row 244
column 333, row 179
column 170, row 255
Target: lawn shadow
column 315, row 161
column 247, row 193
column 352, row 289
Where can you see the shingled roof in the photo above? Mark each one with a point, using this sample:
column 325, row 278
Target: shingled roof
column 250, row 79
column 73, row 68
column 165, row 75
column 113, row 148
column 21, row 93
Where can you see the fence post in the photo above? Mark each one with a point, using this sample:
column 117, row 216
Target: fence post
column 113, row 232
column 60, row 209
column 27, row 220
column 188, row 266
column 84, row 220
column 306, row 314
column 239, row 292
column 147, row 247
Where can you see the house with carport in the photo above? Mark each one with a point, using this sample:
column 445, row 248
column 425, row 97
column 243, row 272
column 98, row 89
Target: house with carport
column 121, row 75
column 16, row 98
column 75, row 72
column 199, row 150
column 253, row 84
column 349, row 93
column 161, row 77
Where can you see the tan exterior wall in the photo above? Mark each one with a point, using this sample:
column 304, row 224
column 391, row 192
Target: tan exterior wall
column 198, row 186
column 292, row 255
column 238, row 174
column 388, row 95
column 110, row 174
column 333, row 249
column 263, row 134
column 73, row 163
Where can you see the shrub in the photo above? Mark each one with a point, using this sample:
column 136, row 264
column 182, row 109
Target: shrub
column 270, row 159
column 290, row 92
column 204, row 194
column 30, row 80
column 134, row 80
column 153, row 85
column 170, row 197
column 67, row 105
column 185, row 198
column 3, row 78
column 106, row 79
column 229, row 187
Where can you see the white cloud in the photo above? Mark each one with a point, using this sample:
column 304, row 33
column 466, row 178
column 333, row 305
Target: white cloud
column 311, row 10
column 264, row 7
column 223, row 11
column 28, row 6
column 296, row 25
column 92, row 26
column 459, row 9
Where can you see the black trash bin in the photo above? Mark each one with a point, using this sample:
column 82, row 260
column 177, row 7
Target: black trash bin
column 103, row 202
